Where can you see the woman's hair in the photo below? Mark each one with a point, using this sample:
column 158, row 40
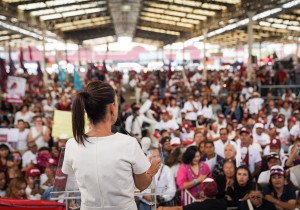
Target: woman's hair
column 174, row 157
column 231, row 161
column 255, row 187
column 244, row 167
column 14, row 187
column 93, row 100
column 189, row 154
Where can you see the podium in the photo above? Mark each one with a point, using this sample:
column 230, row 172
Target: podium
column 66, row 191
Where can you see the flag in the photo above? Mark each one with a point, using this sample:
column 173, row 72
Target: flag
column 89, row 73
column 21, row 58
column 104, row 69
column 3, row 74
column 30, row 53
column 62, row 75
column 12, row 68
column 76, row 80
column 40, row 74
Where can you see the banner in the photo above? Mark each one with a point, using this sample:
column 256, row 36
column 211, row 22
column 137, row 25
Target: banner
column 62, row 124
column 15, row 89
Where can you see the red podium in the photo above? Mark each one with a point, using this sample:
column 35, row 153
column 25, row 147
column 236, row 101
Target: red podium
column 13, row 204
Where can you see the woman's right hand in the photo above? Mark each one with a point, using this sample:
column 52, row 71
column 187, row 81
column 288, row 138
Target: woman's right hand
column 155, row 165
column 201, row 178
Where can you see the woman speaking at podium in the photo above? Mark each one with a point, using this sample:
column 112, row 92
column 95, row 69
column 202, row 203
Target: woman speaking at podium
column 107, row 166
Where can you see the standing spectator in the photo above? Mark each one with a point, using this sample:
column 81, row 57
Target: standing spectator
column 191, row 108
column 3, row 184
column 23, row 133
column 255, row 103
column 24, row 114
column 39, row 133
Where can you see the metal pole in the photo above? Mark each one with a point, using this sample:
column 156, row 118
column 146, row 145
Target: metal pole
column 204, row 55
column 66, row 52
column 250, row 46
column 45, row 75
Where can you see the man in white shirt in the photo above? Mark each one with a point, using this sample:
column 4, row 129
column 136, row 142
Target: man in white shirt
column 283, row 134
column 259, row 136
column 294, row 129
column 22, row 136
column 222, row 142
column 166, row 123
column 221, row 121
column 215, row 87
column 191, row 108
column 249, row 155
column 165, row 185
column 255, row 103
column 29, row 157
column 134, row 122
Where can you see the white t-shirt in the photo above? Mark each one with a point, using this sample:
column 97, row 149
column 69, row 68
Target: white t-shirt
column 254, row 105
column 215, row 89
column 295, row 130
column 103, row 170
column 254, row 156
column 220, row 146
column 263, row 139
column 171, row 124
column 27, row 157
column 22, row 139
column 27, row 117
column 189, row 106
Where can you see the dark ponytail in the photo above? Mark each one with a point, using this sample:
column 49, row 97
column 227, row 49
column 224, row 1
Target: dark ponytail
column 78, row 119
column 93, row 100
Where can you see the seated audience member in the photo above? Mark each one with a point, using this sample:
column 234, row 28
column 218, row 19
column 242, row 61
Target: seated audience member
column 29, row 157
column 281, row 195
column 207, row 201
column 222, row 142
column 14, row 162
column 226, row 179
column 166, row 148
column 273, row 159
column 294, row 157
column 175, row 159
column 192, row 172
column 256, row 200
column 214, row 161
column 33, row 190
column 164, row 183
column 3, row 184
column 16, row 189
column 4, row 153
column 239, row 190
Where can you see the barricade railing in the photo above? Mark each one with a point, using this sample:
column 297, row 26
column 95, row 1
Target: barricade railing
column 188, row 198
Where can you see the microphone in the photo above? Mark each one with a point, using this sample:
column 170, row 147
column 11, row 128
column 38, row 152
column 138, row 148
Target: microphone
column 120, row 127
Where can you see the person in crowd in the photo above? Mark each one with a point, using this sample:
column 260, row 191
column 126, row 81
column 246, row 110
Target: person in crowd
column 225, row 179
column 207, row 200
column 206, row 109
column 222, row 142
column 33, row 189
column 166, row 148
column 174, row 110
column 192, row 172
column 164, row 184
column 256, row 200
column 63, row 104
column 166, row 123
column 88, row 156
column 249, row 156
column 134, row 122
column 3, row 183
column 234, row 111
column 191, row 108
column 4, row 153
column 175, row 159
column 29, row 157
column 16, row 189
column 213, row 160
column 231, row 131
column 239, row 190
column 24, row 114
column 273, row 159
column 277, row 192
column 294, row 157
column 259, row 136
column 14, row 165
column 39, row 133
column 213, row 134
column 47, row 178
column 23, row 133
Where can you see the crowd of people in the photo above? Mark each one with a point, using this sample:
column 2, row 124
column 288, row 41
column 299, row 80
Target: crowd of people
column 217, row 136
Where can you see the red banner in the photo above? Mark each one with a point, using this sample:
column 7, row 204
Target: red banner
column 10, row 204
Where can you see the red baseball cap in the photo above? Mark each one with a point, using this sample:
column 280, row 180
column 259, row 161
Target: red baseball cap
column 32, row 172
column 275, row 143
column 210, row 187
